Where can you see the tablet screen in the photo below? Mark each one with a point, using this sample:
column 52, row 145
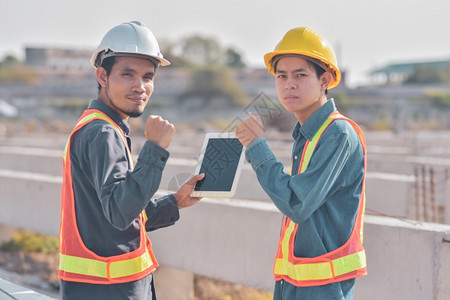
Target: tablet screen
column 221, row 160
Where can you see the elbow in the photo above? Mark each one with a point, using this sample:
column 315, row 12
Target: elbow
column 121, row 224
column 296, row 216
column 118, row 220
column 298, row 212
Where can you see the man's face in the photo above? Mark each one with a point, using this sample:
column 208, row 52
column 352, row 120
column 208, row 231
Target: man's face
column 298, row 87
column 128, row 87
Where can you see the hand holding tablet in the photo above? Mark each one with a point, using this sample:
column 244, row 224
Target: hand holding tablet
column 221, row 160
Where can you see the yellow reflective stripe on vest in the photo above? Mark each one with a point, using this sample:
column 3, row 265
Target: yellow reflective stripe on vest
column 287, row 237
column 103, row 117
column 313, row 142
column 349, row 263
column 86, row 119
column 92, row 267
column 81, row 265
column 321, row 270
column 130, row 266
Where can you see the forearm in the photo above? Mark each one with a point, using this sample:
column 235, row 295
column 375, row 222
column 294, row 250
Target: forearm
column 161, row 212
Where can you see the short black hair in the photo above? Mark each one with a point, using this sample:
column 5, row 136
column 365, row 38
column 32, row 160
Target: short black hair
column 107, row 64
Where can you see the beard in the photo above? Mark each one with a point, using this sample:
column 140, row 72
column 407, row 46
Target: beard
column 131, row 114
column 134, row 114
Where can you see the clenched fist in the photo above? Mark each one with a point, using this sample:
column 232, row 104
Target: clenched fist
column 250, row 129
column 159, row 131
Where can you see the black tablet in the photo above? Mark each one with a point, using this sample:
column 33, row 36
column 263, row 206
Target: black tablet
column 221, row 160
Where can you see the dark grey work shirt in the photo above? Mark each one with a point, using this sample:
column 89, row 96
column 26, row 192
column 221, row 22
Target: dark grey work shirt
column 109, row 197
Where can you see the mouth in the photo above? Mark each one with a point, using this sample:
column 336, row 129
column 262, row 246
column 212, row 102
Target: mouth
column 137, row 99
column 290, row 98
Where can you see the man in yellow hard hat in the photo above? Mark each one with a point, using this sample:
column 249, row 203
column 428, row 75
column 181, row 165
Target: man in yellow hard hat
column 107, row 202
column 320, row 250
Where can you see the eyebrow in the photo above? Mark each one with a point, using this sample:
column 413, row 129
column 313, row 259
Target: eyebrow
column 127, row 69
column 294, row 71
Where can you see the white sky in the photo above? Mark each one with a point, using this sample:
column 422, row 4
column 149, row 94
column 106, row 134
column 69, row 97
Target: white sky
column 365, row 34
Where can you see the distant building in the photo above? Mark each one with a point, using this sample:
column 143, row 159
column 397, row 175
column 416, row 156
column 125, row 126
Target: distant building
column 58, row 65
column 58, row 58
column 397, row 73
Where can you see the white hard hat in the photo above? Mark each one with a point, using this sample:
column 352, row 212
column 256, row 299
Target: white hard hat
column 129, row 39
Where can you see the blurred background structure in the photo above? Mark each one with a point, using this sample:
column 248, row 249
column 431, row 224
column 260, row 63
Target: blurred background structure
column 396, row 85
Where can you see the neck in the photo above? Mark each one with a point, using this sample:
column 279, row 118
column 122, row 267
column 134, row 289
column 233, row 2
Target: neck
column 304, row 115
column 103, row 97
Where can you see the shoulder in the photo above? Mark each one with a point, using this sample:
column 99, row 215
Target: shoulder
column 341, row 126
column 98, row 128
column 96, row 134
column 341, row 131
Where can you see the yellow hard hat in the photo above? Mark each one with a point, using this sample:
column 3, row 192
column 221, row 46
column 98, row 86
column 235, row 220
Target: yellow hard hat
column 307, row 42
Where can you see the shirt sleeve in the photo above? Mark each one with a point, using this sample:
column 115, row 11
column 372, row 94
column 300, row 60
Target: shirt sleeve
column 300, row 195
column 123, row 193
column 162, row 212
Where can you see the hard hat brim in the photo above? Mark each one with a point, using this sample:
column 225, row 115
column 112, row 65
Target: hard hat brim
column 96, row 61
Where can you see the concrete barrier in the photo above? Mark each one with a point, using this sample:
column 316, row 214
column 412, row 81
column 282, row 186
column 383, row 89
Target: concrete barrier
column 31, row 201
column 406, row 260
column 235, row 240
column 9, row 290
column 390, row 194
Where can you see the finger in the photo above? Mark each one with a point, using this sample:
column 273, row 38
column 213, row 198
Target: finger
column 197, row 178
column 255, row 118
column 191, row 182
column 240, row 129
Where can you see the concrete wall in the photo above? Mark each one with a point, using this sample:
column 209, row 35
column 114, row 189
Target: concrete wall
column 389, row 194
column 406, row 260
column 31, row 201
column 235, row 240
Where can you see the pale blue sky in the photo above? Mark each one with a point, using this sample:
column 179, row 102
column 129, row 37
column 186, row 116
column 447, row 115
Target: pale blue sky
column 365, row 34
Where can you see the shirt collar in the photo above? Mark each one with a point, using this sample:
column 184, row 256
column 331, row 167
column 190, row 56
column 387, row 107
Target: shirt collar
column 97, row 104
column 314, row 122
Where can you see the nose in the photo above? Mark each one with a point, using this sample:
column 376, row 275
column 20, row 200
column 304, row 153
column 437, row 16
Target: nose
column 290, row 83
column 139, row 86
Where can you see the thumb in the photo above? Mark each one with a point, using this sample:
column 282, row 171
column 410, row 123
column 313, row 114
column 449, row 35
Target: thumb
column 191, row 182
column 198, row 177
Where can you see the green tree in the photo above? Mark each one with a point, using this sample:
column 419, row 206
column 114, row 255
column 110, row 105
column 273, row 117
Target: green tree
column 209, row 83
column 9, row 60
column 211, row 65
column 438, row 98
column 169, row 51
column 233, row 59
column 12, row 71
column 201, row 51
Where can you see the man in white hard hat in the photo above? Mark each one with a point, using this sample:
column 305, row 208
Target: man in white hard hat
column 320, row 252
column 107, row 206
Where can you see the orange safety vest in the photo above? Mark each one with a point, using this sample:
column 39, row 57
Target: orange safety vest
column 345, row 262
column 76, row 261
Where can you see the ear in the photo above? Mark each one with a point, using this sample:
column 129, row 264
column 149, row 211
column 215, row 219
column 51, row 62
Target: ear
column 325, row 80
column 102, row 76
